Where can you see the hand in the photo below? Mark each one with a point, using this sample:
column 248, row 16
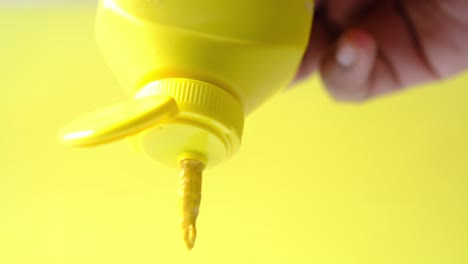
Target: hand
column 366, row 48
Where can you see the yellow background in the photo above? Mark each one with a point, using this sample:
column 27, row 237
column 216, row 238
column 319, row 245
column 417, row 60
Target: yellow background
column 315, row 181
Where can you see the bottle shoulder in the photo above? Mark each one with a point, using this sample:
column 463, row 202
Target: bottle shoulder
column 248, row 21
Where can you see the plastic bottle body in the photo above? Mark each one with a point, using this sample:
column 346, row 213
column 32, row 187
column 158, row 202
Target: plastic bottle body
column 250, row 48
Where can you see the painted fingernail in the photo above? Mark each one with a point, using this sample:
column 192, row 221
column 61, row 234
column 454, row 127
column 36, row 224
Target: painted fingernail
column 346, row 54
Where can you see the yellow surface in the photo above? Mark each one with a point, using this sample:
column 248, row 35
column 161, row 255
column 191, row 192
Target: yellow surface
column 314, row 181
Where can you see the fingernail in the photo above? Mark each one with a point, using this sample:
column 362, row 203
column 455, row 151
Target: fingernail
column 346, row 54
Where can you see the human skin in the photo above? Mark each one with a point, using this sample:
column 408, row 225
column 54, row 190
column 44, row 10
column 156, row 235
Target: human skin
column 367, row 48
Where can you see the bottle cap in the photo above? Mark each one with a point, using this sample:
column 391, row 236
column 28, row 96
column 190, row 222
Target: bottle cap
column 169, row 120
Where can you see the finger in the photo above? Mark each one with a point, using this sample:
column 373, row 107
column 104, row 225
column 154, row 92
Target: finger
column 440, row 28
column 346, row 69
column 398, row 57
column 342, row 12
column 320, row 41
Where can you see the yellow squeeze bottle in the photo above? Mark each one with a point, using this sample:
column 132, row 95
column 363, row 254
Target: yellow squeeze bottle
column 194, row 70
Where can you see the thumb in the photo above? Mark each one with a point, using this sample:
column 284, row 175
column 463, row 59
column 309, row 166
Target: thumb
column 347, row 67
